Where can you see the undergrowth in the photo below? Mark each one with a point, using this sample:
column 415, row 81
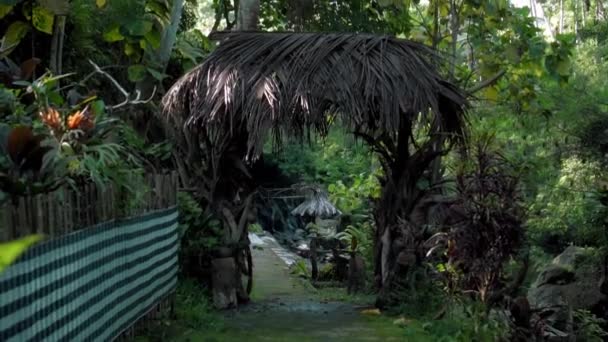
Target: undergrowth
column 193, row 310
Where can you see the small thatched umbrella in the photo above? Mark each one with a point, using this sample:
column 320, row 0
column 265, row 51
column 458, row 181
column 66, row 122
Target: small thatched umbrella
column 316, row 205
column 381, row 88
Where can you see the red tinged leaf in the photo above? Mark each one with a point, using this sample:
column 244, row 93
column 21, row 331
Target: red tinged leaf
column 17, row 142
column 25, row 148
column 28, row 67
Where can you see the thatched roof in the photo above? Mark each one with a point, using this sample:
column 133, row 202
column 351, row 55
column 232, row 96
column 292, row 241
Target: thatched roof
column 288, row 82
column 316, row 204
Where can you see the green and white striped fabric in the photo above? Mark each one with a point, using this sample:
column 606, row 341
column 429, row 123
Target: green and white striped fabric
column 92, row 284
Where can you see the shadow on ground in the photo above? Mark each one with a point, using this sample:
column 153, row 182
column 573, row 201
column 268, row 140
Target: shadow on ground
column 287, row 309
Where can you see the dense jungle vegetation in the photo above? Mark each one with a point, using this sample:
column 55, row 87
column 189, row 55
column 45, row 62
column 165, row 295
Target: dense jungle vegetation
column 81, row 83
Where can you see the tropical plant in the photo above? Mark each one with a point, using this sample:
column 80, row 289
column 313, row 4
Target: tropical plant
column 300, row 269
column 486, row 228
column 357, row 239
column 588, row 327
column 255, row 228
column 24, row 162
column 198, row 229
column 10, row 251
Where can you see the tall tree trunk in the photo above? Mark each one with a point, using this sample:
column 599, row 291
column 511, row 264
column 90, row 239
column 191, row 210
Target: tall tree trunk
column 561, row 16
column 169, row 36
column 161, row 56
column 56, row 61
column 576, row 19
column 584, row 13
column 599, row 12
column 235, row 218
column 158, row 59
column 247, row 16
column 436, row 166
column 546, row 20
column 533, row 9
column 436, row 28
column 397, row 237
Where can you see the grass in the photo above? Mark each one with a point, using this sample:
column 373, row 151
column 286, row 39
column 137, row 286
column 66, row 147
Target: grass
column 193, row 311
column 340, row 294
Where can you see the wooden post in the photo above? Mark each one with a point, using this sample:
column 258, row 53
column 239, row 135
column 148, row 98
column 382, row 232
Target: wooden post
column 5, row 230
column 313, row 259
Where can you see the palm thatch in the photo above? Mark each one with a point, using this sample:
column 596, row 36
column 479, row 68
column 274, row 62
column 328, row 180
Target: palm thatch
column 316, row 205
column 288, row 82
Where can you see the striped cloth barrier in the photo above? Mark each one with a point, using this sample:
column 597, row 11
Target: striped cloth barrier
column 90, row 285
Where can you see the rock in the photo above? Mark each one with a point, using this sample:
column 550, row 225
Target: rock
column 555, row 311
column 570, row 282
column 576, row 281
column 554, row 274
column 371, row 312
column 402, row 321
column 569, row 257
column 584, row 291
column 303, row 249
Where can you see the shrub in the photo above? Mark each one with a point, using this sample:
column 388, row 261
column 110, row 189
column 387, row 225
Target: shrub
column 200, row 233
column 488, row 216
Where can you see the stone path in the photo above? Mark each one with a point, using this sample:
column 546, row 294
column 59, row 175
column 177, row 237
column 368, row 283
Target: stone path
column 284, row 309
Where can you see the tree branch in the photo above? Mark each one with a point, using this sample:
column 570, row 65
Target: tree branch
column 127, row 95
column 490, row 81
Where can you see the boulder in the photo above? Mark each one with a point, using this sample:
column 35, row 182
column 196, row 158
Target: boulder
column 555, row 275
column 570, row 282
column 570, row 256
column 582, row 292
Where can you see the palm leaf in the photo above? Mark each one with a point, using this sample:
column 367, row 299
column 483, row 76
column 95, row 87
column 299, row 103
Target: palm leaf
column 289, row 82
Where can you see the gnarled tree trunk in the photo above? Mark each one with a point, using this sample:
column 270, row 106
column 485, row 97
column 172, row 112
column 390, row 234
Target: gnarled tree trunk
column 398, row 237
column 234, row 211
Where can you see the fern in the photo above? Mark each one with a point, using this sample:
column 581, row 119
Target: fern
column 357, row 238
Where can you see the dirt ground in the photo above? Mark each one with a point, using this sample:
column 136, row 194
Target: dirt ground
column 284, row 308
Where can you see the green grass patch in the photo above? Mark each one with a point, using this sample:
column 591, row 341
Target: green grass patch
column 193, row 312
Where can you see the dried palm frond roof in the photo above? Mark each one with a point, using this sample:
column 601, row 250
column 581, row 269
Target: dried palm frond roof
column 316, row 204
column 289, row 82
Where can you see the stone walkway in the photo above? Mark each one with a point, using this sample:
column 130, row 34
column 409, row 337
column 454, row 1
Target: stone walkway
column 285, row 309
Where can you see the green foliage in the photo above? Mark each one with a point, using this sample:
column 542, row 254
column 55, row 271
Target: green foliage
column 462, row 323
column 255, row 228
column 378, row 16
column 300, row 269
column 419, row 292
column 570, row 209
column 353, row 199
column 193, row 311
column 190, row 49
column 160, row 152
column 588, row 327
column 76, row 140
column 357, row 239
column 193, row 307
column 559, row 157
column 137, row 26
column 10, row 251
column 336, row 158
column 199, row 230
